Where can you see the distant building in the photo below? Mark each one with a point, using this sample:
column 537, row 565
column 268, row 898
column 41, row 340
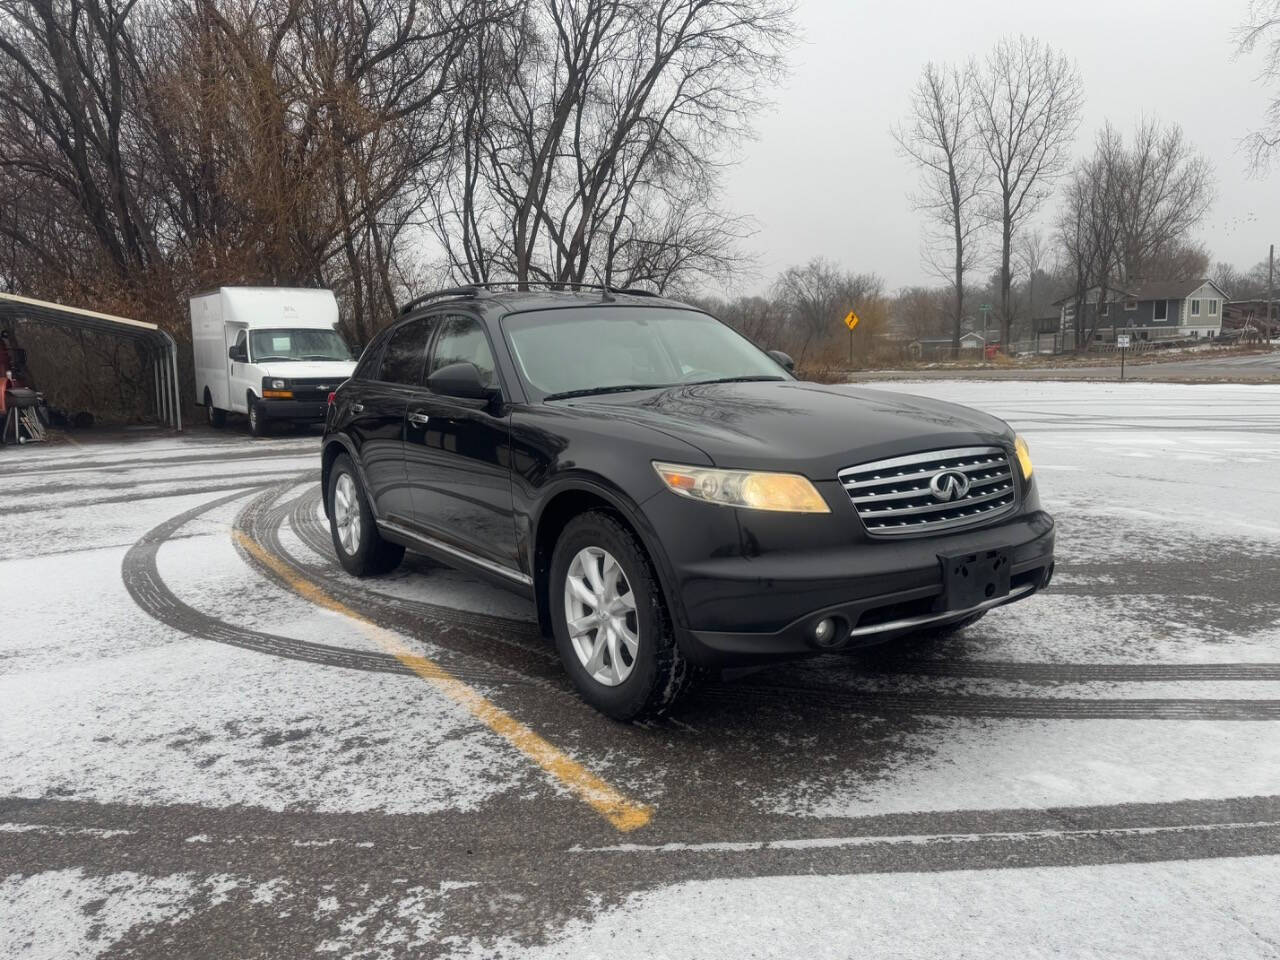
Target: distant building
column 1151, row 310
column 939, row 348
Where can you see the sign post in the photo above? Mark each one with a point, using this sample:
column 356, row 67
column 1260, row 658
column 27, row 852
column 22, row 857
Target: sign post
column 851, row 321
column 1122, row 341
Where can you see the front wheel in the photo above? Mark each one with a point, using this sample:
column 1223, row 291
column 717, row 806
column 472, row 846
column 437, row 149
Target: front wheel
column 257, row 422
column 361, row 549
column 611, row 624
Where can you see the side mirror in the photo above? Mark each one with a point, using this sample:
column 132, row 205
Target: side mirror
column 461, row 380
column 784, row 359
column 238, row 353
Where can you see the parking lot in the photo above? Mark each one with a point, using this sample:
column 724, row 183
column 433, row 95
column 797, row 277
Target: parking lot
column 213, row 740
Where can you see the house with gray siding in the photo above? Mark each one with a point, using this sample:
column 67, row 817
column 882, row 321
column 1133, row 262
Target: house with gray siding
column 1152, row 310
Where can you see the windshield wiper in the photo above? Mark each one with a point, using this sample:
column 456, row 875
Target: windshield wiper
column 754, row 379
column 321, row 356
column 270, row 359
column 623, row 388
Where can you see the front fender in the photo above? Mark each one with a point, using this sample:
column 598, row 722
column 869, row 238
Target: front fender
column 622, row 502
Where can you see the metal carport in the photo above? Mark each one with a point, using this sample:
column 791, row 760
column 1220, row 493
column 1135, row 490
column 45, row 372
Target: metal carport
column 161, row 349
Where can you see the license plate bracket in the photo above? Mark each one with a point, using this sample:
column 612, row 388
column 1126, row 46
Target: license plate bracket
column 969, row 579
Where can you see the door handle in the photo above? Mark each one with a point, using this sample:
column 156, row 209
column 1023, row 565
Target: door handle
column 419, row 419
column 357, row 408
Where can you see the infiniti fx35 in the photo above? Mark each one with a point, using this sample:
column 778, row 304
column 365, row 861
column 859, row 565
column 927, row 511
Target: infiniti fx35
column 669, row 495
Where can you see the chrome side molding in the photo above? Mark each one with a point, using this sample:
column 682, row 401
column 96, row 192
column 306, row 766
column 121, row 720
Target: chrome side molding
column 431, row 543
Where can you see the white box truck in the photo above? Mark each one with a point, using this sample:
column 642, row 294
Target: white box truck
column 271, row 353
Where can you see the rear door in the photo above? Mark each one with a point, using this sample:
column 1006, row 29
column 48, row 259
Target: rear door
column 376, row 408
column 458, row 453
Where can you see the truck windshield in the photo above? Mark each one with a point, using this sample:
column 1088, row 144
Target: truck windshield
column 297, row 344
column 608, row 349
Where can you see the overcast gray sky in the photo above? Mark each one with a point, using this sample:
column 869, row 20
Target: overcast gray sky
column 824, row 178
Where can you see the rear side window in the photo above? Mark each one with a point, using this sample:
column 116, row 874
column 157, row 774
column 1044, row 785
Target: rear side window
column 462, row 339
column 406, row 352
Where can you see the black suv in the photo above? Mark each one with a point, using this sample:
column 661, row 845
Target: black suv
column 668, row 494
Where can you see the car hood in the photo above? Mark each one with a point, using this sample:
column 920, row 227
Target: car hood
column 808, row 428
column 337, row 370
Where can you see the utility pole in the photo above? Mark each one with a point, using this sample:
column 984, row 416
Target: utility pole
column 1271, row 289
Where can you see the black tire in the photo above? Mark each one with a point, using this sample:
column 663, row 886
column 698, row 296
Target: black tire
column 217, row 418
column 372, row 554
column 258, row 426
column 659, row 673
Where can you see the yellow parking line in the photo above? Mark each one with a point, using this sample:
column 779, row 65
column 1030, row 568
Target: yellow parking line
column 626, row 815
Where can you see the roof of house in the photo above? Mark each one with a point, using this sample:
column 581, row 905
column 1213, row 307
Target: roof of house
column 1168, row 289
column 1151, row 290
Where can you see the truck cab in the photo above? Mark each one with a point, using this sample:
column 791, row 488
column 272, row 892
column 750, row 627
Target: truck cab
column 270, row 353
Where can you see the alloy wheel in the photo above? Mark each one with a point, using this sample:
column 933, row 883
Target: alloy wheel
column 346, row 514
column 600, row 612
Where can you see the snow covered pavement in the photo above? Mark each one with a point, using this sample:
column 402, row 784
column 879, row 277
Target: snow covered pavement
column 208, row 747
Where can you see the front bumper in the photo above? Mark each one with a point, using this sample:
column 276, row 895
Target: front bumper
column 298, row 411
column 741, row 611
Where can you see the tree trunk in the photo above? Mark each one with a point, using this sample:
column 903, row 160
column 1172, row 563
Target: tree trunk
column 1006, row 282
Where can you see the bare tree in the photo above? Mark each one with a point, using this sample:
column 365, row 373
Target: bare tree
column 594, row 136
column 1028, row 100
column 1163, row 189
column 940, row 138
column 819, row 294
column 1128, row 215
column 1031, row 258
column 1261, row 30
column 923, row 312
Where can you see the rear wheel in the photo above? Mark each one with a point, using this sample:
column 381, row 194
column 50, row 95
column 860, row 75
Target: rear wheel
column 217, row 418
column 361, row 549
column 611, row 624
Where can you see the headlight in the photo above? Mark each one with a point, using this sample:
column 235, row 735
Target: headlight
column 1024, row 456
column 275, row 388
column 786, row 492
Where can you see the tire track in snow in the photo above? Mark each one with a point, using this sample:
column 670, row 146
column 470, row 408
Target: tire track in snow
column 304, row 516
column 142, row 580
column 262, row 524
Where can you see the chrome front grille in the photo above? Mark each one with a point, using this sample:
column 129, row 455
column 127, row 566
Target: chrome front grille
column 894, row 497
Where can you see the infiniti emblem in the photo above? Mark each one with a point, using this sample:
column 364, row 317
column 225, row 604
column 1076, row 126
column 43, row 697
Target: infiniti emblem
column 949, row 485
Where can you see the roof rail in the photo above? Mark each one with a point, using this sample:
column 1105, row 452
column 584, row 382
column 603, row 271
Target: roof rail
column 471, row 290
column 575, row 284
column 480, row 289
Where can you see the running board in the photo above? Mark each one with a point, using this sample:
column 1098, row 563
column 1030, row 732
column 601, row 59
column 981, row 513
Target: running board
column 432, row 545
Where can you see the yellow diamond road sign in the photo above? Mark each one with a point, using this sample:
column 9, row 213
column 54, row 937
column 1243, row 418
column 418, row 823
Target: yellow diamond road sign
column 851, row 320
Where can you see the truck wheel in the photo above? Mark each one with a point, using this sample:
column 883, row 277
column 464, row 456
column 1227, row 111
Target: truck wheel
column 217, row 418
column 361, row 549
column 610, row 620
column 257, row 422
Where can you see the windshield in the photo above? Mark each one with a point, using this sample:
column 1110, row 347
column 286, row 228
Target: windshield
column 582, row 350
column 297, row 344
